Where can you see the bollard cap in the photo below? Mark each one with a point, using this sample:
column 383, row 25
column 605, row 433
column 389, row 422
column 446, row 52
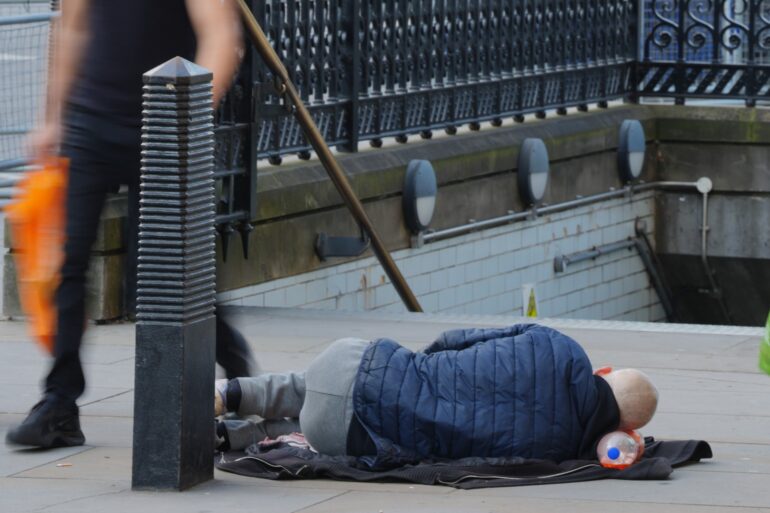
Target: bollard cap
column 178, row 71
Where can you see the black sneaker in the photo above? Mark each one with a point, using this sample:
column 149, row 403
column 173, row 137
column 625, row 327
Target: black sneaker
column 49, row 424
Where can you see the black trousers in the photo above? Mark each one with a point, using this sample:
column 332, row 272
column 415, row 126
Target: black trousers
column 103, row 156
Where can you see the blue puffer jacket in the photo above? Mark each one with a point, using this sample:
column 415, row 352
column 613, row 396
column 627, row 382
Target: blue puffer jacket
column 524, row 391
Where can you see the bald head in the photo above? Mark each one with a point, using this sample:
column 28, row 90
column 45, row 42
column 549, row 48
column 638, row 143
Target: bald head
column 636, row 396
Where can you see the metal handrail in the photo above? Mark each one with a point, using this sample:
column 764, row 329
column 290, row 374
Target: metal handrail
column 703, row 187
column 6, row 183
column 473, row 226
column 25, row 19
column 13, row 165
column 333, row 169
column 646, row 253
column 561, row 262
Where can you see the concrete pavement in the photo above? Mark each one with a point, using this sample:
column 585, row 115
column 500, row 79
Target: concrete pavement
column 708, row 378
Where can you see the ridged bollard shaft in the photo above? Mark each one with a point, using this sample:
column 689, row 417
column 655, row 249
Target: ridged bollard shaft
column 175, row 332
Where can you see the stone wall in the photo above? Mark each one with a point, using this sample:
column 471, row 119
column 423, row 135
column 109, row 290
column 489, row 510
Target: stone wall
column 478, row 273
column 476, row 175
column 484, row 272
column 731, row 146
column 104, row 288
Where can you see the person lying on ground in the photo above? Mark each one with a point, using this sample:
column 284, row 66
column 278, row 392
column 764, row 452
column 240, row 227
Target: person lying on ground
column 523, row 391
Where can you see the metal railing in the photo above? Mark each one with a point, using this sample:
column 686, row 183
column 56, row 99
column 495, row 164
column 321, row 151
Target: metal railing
column 23, row 70
column 705, row 49
column 544, row 210
column 24, row 56
column 371, row 69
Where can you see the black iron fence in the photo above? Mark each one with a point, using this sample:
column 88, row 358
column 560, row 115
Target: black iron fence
column 371, row 69
column 712, row 49
column 235, row 158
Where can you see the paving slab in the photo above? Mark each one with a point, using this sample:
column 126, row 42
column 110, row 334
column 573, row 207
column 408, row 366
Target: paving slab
column 214, row 497
column 356, row 502
column 707, row 376
column 18, row 495
column 14, row 462
column 93, row 463
column 114, row 402
column 730, row 401
column 745, row 429
column 107, row 431
column 737, row 458
column 684, row 487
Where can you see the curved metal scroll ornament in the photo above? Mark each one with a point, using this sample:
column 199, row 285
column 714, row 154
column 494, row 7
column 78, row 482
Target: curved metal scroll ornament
column 663, row 33
column 699, row 31
column 762, row 24
column 733, row 33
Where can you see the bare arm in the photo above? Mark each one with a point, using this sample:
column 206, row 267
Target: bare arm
column 70, row 35
column 70, row 39
column 218, row 33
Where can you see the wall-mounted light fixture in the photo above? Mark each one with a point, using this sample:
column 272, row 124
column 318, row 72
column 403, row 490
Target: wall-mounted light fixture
column 534, row 167
column 420, row 191
column 632, row 144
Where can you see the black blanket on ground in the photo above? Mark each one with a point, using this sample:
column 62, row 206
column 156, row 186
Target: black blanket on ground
column 286, row 462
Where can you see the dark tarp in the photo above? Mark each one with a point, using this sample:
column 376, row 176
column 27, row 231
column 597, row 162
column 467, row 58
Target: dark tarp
column 286, row 462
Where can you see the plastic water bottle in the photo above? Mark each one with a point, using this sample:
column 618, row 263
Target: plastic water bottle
column 620, row 449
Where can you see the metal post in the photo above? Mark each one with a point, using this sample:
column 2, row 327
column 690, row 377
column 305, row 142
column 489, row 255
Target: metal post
column 175, row 333
column 352, row 87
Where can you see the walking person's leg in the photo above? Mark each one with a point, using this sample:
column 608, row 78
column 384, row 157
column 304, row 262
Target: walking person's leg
column 131, row 234
column 85, row 199
column 54, row 421
column 232, row 351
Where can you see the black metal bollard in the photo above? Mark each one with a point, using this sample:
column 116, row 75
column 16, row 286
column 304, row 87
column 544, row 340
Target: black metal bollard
column 175, row 332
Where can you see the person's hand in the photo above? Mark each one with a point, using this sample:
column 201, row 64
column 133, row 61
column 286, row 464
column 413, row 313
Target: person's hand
column 44, row 141
column 220, row 397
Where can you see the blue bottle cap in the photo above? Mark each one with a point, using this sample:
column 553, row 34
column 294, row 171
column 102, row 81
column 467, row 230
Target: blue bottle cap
column 613, row 453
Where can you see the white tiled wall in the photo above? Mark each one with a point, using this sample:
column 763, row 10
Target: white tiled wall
column 483, row 272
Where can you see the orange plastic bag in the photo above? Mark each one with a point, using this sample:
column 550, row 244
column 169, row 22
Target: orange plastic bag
column 36, row 218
